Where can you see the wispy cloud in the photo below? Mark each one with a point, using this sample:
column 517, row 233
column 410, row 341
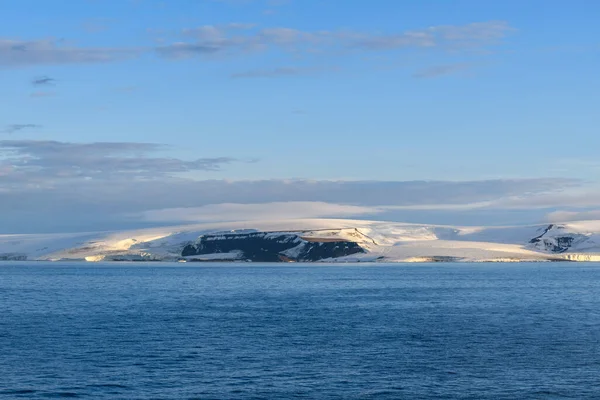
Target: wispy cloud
column 127, row 89
column 53, row 161
column 42, row 94
column 237, row 39
column 569, row 216
column 96, row 25
column 43, row 80
column 279, row 72
column 261, row 211
column 565, row 216
column 242, row 38
column 23, row 53
column 564, row 195
column 14, row 128
column 234, row 2
column 36, row 186
column 273, row 3
column 320, row 209
column 473, row 35
column 441, row 70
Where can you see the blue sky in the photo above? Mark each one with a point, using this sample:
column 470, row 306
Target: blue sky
column 302, row 90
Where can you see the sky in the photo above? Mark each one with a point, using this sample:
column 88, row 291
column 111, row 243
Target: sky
column 130, row 113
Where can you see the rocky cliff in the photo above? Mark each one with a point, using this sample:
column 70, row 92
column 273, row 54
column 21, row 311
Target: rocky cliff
column 558, row 239
column 268, row 247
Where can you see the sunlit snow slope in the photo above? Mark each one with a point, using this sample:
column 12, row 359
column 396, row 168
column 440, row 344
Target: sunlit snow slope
column 312, row 239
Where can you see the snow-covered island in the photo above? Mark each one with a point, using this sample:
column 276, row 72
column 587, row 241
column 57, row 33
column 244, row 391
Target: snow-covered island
column 315, row 240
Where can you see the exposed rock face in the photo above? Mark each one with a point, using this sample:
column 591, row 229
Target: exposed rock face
column 553, row 241
column 12, row 257
column 271, row 247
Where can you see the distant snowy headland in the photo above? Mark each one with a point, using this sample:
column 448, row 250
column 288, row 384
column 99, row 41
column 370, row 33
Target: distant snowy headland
column 315, row 240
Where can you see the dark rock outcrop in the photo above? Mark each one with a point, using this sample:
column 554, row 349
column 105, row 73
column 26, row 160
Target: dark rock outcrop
column 271, row 247
column 555, row 244
column 537, row 239
column 12, row 257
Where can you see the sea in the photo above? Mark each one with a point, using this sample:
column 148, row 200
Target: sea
column 293, row 331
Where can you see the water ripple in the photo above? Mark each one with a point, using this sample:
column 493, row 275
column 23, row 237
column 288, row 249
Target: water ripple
column 378, row 332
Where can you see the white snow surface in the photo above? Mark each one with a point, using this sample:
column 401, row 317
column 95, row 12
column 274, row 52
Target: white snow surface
column 383, row 241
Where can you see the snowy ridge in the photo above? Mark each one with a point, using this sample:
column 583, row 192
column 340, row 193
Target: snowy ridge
column 381, row 241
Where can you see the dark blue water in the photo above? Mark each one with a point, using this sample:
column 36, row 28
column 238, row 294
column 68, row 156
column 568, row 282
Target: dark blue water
column 448, row 331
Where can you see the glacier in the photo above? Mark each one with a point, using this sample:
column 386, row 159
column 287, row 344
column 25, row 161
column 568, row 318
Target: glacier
column 315, row 240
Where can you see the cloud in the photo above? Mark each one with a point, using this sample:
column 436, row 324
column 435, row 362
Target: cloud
column 473, row 35
column 96, row 25
column 234, row 2
column 42, row 94
column 320, row 209
column 440, row 70
column 576, row 197
column 19, row 127
column 23, row 53
column 43, row 80
column 127, row 89
column 51, row 163
column 562, row 195
column 83, row 187
column 566, row 216
column 233, row 39
column 277, row 72
column 250, row 212
column 272, row 3
column 473, row 32
column 237, row 39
